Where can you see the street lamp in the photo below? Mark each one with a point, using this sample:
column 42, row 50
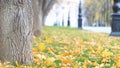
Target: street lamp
column 79, row 16
column 115, row 25
column 68, row 24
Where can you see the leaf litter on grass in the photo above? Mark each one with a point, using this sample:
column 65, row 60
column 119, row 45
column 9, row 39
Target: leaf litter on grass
column 73, row 48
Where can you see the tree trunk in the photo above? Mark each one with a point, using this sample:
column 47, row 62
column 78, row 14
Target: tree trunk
column 16, row 31
column 41, row 8
column 37, row 26
column 45, row 7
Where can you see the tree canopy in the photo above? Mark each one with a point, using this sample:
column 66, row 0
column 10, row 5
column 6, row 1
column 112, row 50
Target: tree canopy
column 98, row 10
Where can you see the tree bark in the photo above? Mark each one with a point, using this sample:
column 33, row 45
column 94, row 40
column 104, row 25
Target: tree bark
column 37, row 26
column 41, row 9
column 45, row 7
column 16, row 21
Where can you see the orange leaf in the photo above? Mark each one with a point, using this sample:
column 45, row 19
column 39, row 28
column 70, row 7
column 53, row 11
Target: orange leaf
column 35, row 50
column 66, row 61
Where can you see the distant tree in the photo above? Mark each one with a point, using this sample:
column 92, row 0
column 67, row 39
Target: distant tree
column 37, row 19
column 45, row 7
column 98, row 10
column 41, row 8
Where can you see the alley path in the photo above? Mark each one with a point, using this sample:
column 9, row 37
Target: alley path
column 99, row 29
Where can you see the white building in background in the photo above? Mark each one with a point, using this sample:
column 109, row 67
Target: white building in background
column 60, row 14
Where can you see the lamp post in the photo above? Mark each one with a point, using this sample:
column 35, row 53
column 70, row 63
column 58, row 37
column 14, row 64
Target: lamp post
column 79, row 16
column 68, row 24
column 115, row 25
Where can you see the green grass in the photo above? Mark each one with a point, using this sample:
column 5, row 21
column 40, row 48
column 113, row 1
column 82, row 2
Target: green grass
column 61, row 47
column 79, row 48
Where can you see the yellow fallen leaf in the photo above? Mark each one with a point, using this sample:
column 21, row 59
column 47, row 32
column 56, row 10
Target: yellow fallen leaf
column 65, row 53
column 118, row 64
column 106, row 53
column 42, row 46
column 65, row 61
column 100, row 49
column 76, row 52
column 94, row 64
column 48, row 40
column 50, row 50
column 29, row 67
column 81, row 42
column 37, row 60
column 84, row 66
column 17, row 64
column 49, row 61
column 75, row 66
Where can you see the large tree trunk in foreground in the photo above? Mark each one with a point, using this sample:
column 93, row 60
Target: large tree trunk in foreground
column 16, row 31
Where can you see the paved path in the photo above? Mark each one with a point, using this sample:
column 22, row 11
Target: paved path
column 99, row 29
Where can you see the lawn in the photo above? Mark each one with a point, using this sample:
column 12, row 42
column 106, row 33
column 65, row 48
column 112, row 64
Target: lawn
column 68, row 47
column 60, row 47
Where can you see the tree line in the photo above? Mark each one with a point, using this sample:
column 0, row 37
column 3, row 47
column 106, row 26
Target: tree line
column 98, row 11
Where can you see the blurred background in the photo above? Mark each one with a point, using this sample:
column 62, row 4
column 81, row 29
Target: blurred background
column 94, row 13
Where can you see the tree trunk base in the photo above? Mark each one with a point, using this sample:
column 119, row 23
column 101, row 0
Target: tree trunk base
column 115, row 34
